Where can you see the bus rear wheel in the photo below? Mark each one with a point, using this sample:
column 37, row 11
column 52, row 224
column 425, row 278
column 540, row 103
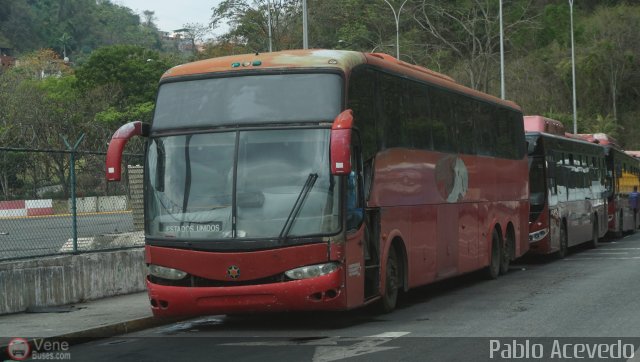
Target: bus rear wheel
column 389, row 299
column 505, row 259
column 493, row 270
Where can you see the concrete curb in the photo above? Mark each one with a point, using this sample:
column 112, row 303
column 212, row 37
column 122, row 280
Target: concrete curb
column 100, row 332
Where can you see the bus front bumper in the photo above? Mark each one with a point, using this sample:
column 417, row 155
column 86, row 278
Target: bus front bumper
column 321, row 293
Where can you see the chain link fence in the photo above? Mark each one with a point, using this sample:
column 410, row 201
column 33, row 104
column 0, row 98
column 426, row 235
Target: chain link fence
column 37, row 216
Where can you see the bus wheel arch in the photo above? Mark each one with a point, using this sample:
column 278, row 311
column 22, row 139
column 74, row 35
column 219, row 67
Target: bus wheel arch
column 395, row 278
column 492, row 271
column 508, row 249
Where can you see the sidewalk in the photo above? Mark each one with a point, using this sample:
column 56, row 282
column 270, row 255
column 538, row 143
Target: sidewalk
column 95, row 319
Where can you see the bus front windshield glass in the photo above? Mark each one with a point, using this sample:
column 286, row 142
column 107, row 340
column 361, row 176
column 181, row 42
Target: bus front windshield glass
column 536, row 181
column 197, row 183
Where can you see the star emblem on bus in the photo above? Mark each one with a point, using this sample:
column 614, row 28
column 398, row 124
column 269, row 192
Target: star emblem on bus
column 233, row 272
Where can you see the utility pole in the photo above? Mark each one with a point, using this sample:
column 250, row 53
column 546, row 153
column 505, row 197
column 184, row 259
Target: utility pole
column 305, row 36
column 396, row 17
column 502, row 90
column 573, row 72
column 269, row 18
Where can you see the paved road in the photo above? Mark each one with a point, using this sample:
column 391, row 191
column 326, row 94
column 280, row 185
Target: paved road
column 20, row 237
column 591, row 298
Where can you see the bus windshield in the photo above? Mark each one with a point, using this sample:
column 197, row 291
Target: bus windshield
column 248, row 99
column 240, row 185
column 536, row 181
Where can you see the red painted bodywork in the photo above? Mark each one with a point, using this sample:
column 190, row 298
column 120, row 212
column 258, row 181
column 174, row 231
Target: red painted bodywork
column 411, row 189
column 116, row 146
column 543, row 124
column 405, row 189
column 322, row 293
column 544, row 246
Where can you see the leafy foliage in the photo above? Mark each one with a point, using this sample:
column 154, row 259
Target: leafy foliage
column 132, row 69
column 107, row 86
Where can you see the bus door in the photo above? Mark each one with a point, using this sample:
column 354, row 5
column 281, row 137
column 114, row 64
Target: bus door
column 362, row 261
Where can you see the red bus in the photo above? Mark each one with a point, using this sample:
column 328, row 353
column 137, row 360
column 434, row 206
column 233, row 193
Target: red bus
column 623, row 174
column 323, row 180
column 567, row 196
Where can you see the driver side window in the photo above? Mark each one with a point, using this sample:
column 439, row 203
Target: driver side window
column 355, row 195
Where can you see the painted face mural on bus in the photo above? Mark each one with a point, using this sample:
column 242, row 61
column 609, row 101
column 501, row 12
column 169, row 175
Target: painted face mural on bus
column 452, row 178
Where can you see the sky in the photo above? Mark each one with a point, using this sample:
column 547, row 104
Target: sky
column 171, row 14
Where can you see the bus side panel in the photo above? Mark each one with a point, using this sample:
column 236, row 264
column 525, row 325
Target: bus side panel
column 354, row 267
column 422, row 256
column 468, row 237
column 448, row 240
column 395, row 222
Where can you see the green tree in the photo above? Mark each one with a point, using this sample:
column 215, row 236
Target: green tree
column 132, row 69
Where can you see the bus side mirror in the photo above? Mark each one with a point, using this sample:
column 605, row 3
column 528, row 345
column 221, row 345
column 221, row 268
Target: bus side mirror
column 340, row 148
column 116, row 146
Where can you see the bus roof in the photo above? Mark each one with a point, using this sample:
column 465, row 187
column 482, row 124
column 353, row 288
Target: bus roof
column 543, row 124
column 342, row 60
column 600, row 138
column 288, row 59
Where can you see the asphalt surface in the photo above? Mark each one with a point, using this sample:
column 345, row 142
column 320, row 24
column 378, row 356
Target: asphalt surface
column 45, row 235
column 552, row 310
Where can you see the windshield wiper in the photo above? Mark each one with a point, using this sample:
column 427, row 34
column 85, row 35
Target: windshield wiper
column 297, row 206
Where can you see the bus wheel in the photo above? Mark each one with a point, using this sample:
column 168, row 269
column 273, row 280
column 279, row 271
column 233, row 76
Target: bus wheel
column 392, row 280
column 564, row 242
column 505, row 258
column 594, row 240
column 493, row 270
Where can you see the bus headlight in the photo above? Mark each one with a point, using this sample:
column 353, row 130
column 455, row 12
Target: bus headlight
column 538, row 235
column 166, row 273
column 312, row 271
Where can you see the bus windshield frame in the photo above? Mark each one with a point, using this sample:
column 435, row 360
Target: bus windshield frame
column 240, row 186
column 248, row 99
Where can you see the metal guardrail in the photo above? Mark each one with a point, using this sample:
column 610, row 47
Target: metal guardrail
column 38, row 192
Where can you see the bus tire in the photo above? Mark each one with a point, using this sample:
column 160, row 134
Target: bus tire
column 596, row 234
column 505, row 258
column 389, row 298
column 564, row 241
column 493, row 270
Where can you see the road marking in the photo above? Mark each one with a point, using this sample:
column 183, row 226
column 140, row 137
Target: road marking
column 321, row 341
column 367, row 345
column 606, row 253
column 327, row 349
column 616, row 249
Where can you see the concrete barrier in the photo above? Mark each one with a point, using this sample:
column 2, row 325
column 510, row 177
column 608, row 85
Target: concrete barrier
column 100, row 204
column 21, row 208
column 60, row 280
column 85, row 204
column 112, row 203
